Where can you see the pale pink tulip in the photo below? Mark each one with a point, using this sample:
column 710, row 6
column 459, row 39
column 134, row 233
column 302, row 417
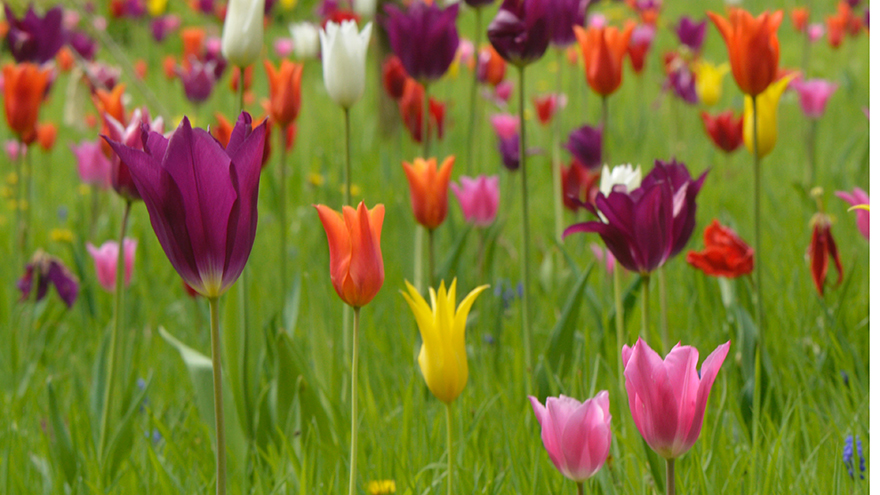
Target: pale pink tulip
column 15, row 150
column 667, row 398
column 815, row 32
column 283, row 47
column 814, row 94
column 91, row 163
column 505, row 125
column 863, row 217
column 577, row 435
column 603, row 254
column 478, row 198
column 105, row 261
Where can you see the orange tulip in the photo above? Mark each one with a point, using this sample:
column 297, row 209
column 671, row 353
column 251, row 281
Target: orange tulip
column 223, row 130
column 169, row 65
column 193, row 42
column 603, row 49
column 356, row 267
column 65, row 59
column 838, row 24
column 24, row 88
column 753, row 47
column 429, row 189
column 110, row 102
column 800, row 17
column 491, row 67
column 46, row 134
column 140, row 68
column 284, row 91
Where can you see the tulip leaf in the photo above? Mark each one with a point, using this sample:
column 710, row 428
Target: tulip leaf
column 99, row 382
column 291, row 305
column 64, row 450
column 445, row 269
column 629, row 300
column 123, row 437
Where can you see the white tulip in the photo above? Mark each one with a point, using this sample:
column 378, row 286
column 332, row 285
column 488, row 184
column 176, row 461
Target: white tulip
column 243, row 32
column 344, row 54
column 365, row 8
column 621, row 174
column 305, row 39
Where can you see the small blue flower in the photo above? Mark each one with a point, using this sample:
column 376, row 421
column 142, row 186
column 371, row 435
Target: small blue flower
column 848, row 454
column 861, row 458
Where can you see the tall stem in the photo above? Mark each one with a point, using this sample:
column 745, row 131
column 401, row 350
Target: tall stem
column 759, row 300
column 557, row 164
column 811, row 154
column 645, row 282
column 670, row 476
column 605, row 130
column 472, row 116
column 618, row 323
column 347, row 173
column 19, row 220
column 430, row 257
column 354, row 405
column 218, row 396
column 664, row 310
column 117, row 325
column 240, row 90
column 282, row 216
column 449, row 448
column 526, row 329
column 418, row 269
column 26, row 204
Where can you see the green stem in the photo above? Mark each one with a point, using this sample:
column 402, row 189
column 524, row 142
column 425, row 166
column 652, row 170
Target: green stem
column 472, row 116
column 618, row 323
column 645, row 284
column 354, row 405
column 426, row 136
column 347, row 192
column 759, row 300
column 19, row 220
column 526, row 329
column 606, row 156
column 670, row 476
column 282, row 216
column 449, row 448
column 218, row 396
column 557, row 162
column 664, row 309
column 430, row 257
column 114, row 336
column 418, row 276
column 811, row 154
column 580, row 486
column 27, row 204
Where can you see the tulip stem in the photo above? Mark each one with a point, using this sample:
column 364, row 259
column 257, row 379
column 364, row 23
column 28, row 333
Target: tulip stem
column 759, row 300
column 473, row 103
column 527, row 333
column 618, row 323
column 645, row 284
column 556, row 169
column 580, row 485
column 418, row 278
column 664, row 309
column 449, row 448
column 114, row 335
column 605, row 129
column 352, row 490
column 670, row 476
column 347, row 192
column 218, row 396
column 19, row 221
column 430, row 257
column 241, row 90
column 282, row 217
column 811, row 153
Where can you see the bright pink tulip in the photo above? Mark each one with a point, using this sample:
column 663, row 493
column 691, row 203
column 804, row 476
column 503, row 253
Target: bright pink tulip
column 105, row 261
column 479, row 198
column 283, row 47
column 92, row 164
column 863, row 217
column 15, row 150
column 577, row 435
column 814, row 95
column 505, row 125
column 667, row 397
column 815, row 32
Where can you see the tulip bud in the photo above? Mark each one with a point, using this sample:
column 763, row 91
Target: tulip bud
column 344, row 52
column 243, row 31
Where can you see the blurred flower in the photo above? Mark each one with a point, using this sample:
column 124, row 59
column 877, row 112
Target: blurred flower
column 585, row 145
column 639, row 44
column 243, row 31
column 837, row 24
column 562, row 16
column 412, row 108
column 508, row 147
column 753, row 47
column 822, row 247
column 815, row 31
column 429, row 190
column 863, row 217
column 85, row 46
column 576, row 435
column 306, row 40
column 46, row 134
column 344, row 53
column 478, row 3
column 110, row 102
column 709, row 79
column 284, row 91
column 381, row 487
column 443, row 357
column 156, row 7
column 800, row 17
column 206, row 221
column 198, row 80
column 667, row 397
column 48, row 269
column 725, row 255
column 684, row 190
column 161, row 27
column 691, row 33
column 424, row 37
column 603, row 254
column 356, row 267
column 725, row 130
column 103, row 76
column 579, row 185
column 15, row 150
column 505, row 124
column 479, row 198
column 683, row 83
column 814, row 94
column 106, row 258
column 394, row 77
column 520, row 32
column 546, row 106
column 624, row 175
column 768, row 108
column 491, row 67
column 603, row 50
column 91, row 163
column 130, row 135
column 24, row 86
column 193, row 38
column 283, row 47
column 32, row 38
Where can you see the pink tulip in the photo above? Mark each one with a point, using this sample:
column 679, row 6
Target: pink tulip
column 91, row 163
column 667, row 398
column 603, row 254
column 465, row 52
column 478, row 198
column 577, row 435
column 503, row 92
column 283, row 47
column 863, row 217
column 15, row 150
column 105, row 261
column 505, row 125
column 814, row 94
column 815, row 32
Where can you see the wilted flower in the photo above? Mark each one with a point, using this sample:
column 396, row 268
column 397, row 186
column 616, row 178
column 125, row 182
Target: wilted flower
column 821, row 248
column 43, row 270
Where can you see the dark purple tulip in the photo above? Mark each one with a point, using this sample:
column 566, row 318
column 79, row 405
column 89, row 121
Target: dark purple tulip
column 48, row 270
column 691, row 33
column 853, row 3
column 213, row 53
column 509, row 149
column 867, row 19
column 135, row 8
column 33, row 38
column 163, row 26
column 585, row 145
column 129, row 135
column 684, row 188
column 206, row 6
column 198, row 81
column 479, row 3
column 83, row 44
column 683, row 83
column 520, row 33
column 424, row 38
column 562, row 16
column 202, row 198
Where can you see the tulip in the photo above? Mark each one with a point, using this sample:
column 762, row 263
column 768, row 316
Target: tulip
column 207, row 221
column 85, row 46
column 24, row 86
column 306, row 40
column 243, row 31
column 725, row 130
column 815, row 31
column 709, row 78
column 667, row 397
column 520, row 32
column 47, row 270
column 344, row 52
column 605, row 254
column 198, row 80
column 15, row 150
column 603, row 50
column 479, row 199
column 46, row 134
column 102, row 76
column 193, row 39
column 424, row 37
column 814, row 95
column 768, row 106
column 822, row 246
column 546, row 106
column 562, row 16
column 428, row 187
column 356, row 267
column 863, row 217
column 394, row 77
column 91, row 163
column 752, row 46
column 222, row 132
column 639, row 44
column 585, row 145
column 577, row 435
column 491, row 67
column 130, row 135
column 33, row 38
column 684, row 190
column 579, row 185
column 156, row 7
column 621, row 175
column 412, row 108
column 364, row 8
column 691, row 34
column 508, row 147
column 110, row 102
column 284, row 91
column 683, row 83
column 725, row 255
column 105, row 261
column 505, row 125
column 837, row 25
column 800, row 17
column 442, row 358
column 161, row 27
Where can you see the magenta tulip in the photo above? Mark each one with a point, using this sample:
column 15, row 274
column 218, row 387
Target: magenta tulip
column 479, row 198
column 814, row 94
column 91, row 163
column 520, row 33
column 577, row 435
column 105, row 261
column 198, row 79
column 863, row 217
column 424, row 37
column 667, row 397
column 505, row 125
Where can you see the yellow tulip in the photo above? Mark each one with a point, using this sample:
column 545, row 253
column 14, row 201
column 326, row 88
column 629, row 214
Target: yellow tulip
column 709, row 79
column 288, row 4
column 443, row 358
column 768, row 105
column 156, row 7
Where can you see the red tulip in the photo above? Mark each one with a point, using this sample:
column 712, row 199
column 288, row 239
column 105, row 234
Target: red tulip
column 822, row 246
column 726, row 255
column 725, row 130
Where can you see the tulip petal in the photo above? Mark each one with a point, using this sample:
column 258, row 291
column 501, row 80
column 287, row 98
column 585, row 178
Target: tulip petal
column 681, row 367
column 646, row 378
column 708, row 372
column 339, row 244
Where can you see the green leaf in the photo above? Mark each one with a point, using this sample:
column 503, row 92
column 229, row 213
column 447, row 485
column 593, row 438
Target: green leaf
column 64, row 451
column 123, row 436
column 291, row 305
column 99, row 383
column 445, row 269
column 629, row 301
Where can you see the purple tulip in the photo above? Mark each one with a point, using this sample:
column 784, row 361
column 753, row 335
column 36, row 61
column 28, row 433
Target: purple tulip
column 206, row 6
column 585, row 145
column 424, row 38
column 91, row 163
column 684, row 189
column 479, row 198
column 202, row 198
column 691, row 33
column 814, row 94
column 135, row 8
column 213, row 53
column 478, row 3
column 33, row 38
column 162, row 26
column 198, row 81
column 509, row 149
column 129, row 135
column 83, row 44
column 101, row 75
column 48, row 270
column 520, row 33
column 863, row 217
column 683, row 84
column 562, row 16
